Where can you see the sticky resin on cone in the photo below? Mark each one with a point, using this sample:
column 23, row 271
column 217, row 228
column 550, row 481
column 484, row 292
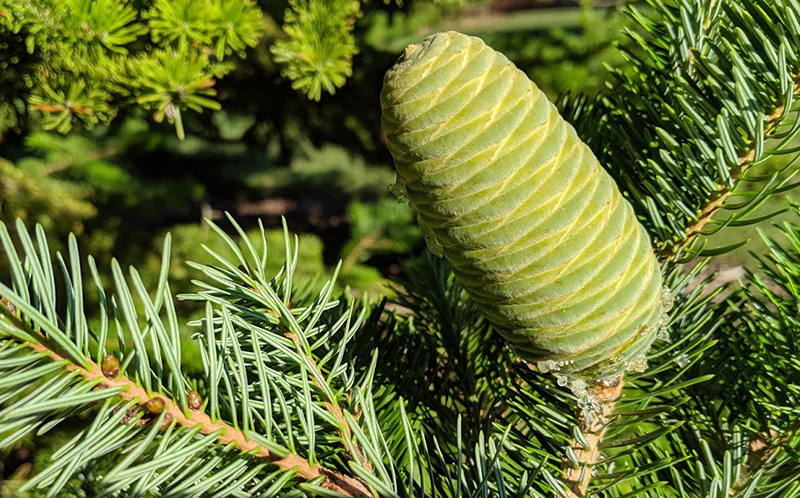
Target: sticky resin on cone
column 534, row 228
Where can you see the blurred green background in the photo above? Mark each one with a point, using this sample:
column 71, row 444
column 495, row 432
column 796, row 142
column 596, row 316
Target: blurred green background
column 271, row 152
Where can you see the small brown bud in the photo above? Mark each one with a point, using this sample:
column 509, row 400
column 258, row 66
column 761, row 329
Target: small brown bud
column 155, row 406
column 110, row 366
column 165, row 423
column 195, row 400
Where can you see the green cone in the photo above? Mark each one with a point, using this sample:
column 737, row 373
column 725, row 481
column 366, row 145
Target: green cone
column 533, row 227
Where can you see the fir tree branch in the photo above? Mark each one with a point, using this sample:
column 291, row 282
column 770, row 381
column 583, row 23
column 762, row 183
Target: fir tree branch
column 745, row 161
column 346, row 485
column 334, row 481
column 332, row 406
column 595, row 417
column 709, row 83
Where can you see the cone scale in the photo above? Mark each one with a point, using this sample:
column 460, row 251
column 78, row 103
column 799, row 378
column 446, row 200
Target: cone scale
column 534, row 228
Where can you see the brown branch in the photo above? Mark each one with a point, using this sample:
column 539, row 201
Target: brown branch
column 346, row 485
column 603, row 398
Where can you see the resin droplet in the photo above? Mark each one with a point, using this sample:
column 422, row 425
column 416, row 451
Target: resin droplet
column 410, row 50
column 195, row 400
column 547, row 366
column 589, row 407
column 576, row 384
column 663, row 334
column 667, row 299
column 578, row 387
column 682, row 360
column 663, row 320
column 610, row 381
column 638, row 364
column 110, row 366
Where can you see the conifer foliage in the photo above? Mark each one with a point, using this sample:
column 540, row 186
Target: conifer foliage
column 317, row 53
column 90, row 58
column 83, row 61
column 306, row 393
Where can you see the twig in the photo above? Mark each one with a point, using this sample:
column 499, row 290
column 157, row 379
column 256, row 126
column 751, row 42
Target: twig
column 102, row 153
column 593, row 426
column 331, row 405
column 345, row 432
column 346, row 485
column 364, row 244
column 762, row 448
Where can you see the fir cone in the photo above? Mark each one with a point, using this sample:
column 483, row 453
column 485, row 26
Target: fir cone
column 535, row 230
